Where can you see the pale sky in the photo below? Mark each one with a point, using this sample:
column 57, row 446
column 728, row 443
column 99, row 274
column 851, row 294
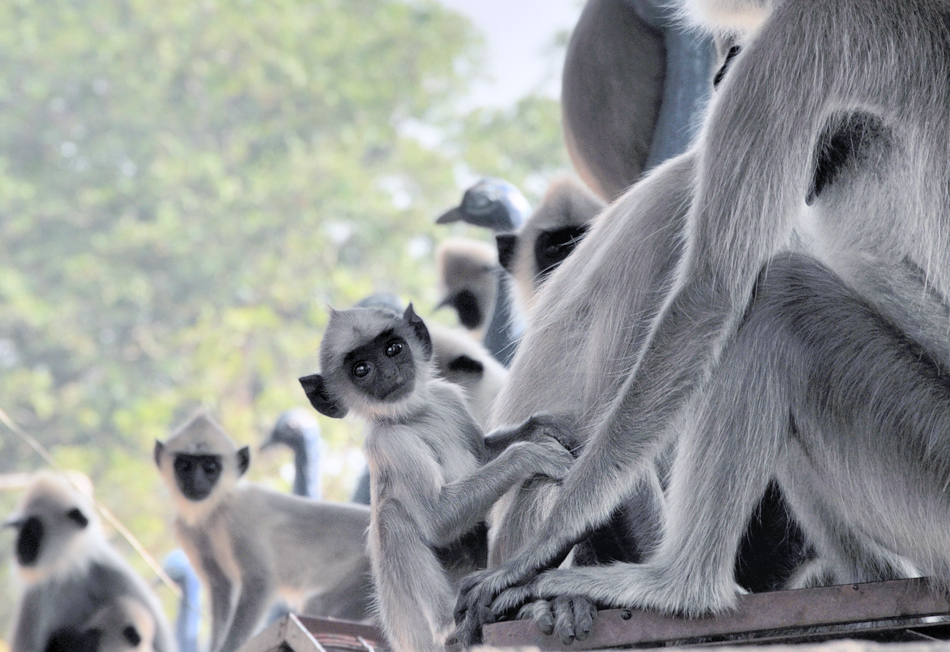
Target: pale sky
column 519, row 36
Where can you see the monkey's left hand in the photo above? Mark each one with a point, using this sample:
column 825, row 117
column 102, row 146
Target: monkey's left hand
column 477, row 594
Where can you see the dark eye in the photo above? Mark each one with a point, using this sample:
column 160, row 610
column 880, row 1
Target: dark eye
column 394, row 349
column 361, row 369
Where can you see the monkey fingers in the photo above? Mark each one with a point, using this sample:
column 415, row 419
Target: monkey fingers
column 571, row 617
column 558, row 427
column 476, row 595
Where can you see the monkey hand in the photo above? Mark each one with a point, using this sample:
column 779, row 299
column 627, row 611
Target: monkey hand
column 549, row 458
column 477, row 595
column 560, row 428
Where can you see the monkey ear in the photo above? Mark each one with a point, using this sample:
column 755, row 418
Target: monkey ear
column 77, row 517
column 467, row 365
column 243, row 460
column 157, row 453
column 320, row 398
column 419, row 328
column 507, row 244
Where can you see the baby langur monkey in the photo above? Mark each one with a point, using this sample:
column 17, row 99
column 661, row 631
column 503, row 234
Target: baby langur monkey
column 73, row 578
column 250, row 544
column 548, row 237
column 434, row 475
column 125, row 625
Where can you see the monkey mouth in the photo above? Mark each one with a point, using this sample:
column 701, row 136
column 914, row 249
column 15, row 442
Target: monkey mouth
column 397, row 393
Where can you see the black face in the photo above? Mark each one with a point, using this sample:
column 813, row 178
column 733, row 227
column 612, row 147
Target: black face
column 29, row 541
column 197, row 475
column 382, row 369
column 466, row 305
column 552, row 247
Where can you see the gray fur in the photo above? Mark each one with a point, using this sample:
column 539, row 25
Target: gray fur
column 77, row 575
column 433, row 480
column 871, row 490
column 251, row 545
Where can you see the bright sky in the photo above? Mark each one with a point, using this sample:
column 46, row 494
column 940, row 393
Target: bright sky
column 519, row 37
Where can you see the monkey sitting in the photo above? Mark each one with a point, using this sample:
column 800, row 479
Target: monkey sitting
column 250, row 544
column 434, row 476
column 72, row 574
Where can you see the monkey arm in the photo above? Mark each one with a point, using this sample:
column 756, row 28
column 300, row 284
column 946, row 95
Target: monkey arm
column 257, row 590
column 220, row 591
column 26, row 633
column 535, row 428
column 461, row 504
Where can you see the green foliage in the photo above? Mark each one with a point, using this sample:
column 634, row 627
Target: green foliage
column 185, row 185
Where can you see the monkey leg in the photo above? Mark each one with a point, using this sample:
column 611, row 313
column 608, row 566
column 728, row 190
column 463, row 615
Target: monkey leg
column 865, row 470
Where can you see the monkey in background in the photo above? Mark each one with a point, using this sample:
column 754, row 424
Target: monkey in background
column 468, row 281
column 125, row 625
column 69, row 570
column 802, row 335
column 548, row 236
column 250, row 544
column 434, row 475
column 461, row 360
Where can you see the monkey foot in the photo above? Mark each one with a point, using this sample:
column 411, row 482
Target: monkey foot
column 570, row 617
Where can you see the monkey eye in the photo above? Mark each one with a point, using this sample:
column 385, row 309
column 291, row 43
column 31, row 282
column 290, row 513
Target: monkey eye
column 361, row 369
column 394, row 348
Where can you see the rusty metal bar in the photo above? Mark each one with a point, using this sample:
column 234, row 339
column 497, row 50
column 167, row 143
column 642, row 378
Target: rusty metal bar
column 305, row 634
column 755, row 613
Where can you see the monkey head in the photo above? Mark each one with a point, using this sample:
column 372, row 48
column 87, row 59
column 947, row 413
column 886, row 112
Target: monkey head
column 54, row 523
column 123, row 626
column 548, row 237
column 468, row 280
column 200, row 464
column 373, row 361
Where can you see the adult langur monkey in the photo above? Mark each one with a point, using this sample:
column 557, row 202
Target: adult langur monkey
column 636, row 79
column 250, row 544
column 822, row 172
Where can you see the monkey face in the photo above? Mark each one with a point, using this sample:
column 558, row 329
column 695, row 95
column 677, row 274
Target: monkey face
column 383, row 368
column 552, row 247
column 197, row 475
column 44, row 533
